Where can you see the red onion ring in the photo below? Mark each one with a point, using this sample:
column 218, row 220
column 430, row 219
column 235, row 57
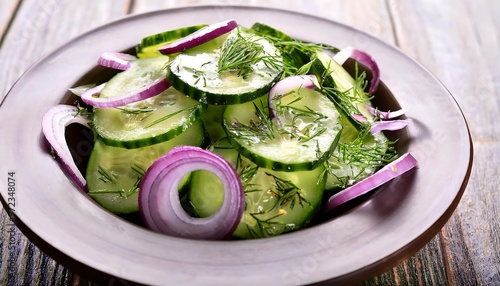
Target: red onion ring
column 287, row 85
column 159, row 201
column 54, row 123
column 388, row 125
column 385, row 114
column 390, row 171
column 199, row 37
column 365, row 59
column 118, row 61
column 153, row 89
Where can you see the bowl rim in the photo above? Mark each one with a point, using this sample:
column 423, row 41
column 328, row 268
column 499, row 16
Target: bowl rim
column 62, row 251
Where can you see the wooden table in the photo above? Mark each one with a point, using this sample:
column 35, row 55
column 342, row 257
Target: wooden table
column 459, row 41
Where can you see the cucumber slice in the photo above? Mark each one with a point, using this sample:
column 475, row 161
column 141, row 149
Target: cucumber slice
column 357, row 159
column 344, row 89
column 212, row 119
column 150, row 44
column 306, row 137
column 114, row 173
column 197, row 74
column 294, row 57
column 149, row 121
column 275, row 202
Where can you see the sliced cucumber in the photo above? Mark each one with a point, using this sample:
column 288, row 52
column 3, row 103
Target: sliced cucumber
column 275, row 202
column 293, row 55
column 305, row 138
column 197, row 74
column 212, row 119
column 149, row 121
column 114, row 173
column 150, row 44
column 357, row 159
column 343, row 88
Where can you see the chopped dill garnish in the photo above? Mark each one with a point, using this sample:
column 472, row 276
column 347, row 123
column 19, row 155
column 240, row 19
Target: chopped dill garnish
column 138, row 169
column 261, row 128
column 106, row 176
column 287, row 193
column 135, row 111
column 170, row 115
column 82, row 111
column 240, row 52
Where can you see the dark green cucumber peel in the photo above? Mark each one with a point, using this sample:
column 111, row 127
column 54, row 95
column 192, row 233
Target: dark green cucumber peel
column 218, row 98
column 222, row 74
column 113, row 173
column 330, row 74
column 191, row 118
column 149, row 45
column 251, row 133
column 276, row 202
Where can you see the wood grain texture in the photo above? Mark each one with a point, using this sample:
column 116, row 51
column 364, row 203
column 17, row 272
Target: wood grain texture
column 39, row 27
column 8, row 9
column 458, row 41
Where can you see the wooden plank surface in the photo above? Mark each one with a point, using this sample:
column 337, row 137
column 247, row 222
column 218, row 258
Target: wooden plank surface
column 458, row 41
column 39, row 27
column 7, row 10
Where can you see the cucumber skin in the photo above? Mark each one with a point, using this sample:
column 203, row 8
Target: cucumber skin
column 114, row 202
column 171, row 134
column 293, row 56
column 280, row 166
column 263, row 162
column 157, row 40
column 215, row 98
column 313, row 184
column 317, row 67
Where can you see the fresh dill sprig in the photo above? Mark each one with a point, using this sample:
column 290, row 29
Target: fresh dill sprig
column 170, row 115
column 106, row 176
column 135, row 111
column 261, row 128
column 287, row 193
column 138, row 169
column 267, row 226
column 306, row 133
column 240, row 52
column 82, row 111
column 358, row 151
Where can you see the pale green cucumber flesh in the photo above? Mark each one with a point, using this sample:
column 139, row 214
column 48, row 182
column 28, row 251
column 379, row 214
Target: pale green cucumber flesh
column 149, row 121
column 196, row 74
column 275, row 202
column 113, row 173
column 349, row 96
column 305, row 138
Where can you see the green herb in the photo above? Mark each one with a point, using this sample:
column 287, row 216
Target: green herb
column 266, row 226
column 138, row 169
column 256, row 129
column 361, row 155
column 168, row 116
column 82, row 111
column 135, row 111
column 239, row 53
column 106, row 176
column 308, row 132
column 288, row 193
